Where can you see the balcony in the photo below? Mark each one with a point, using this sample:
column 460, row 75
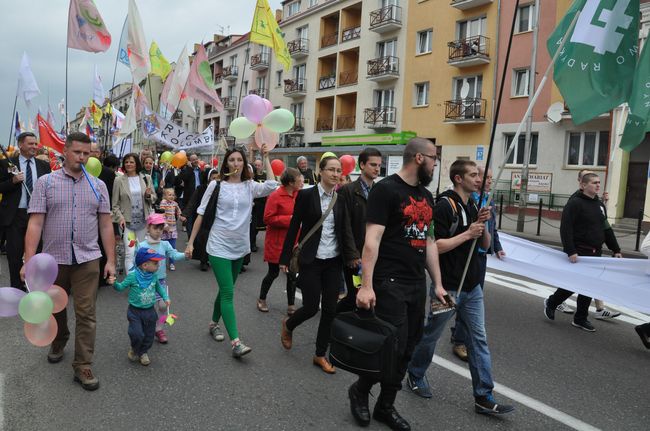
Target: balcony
column 383, row 69
column 295, row 87
column 469, row 52
column 382, row 117
column 388, row 18
column 323, row 125
column 223, row 131
column 260, row 61
column 329, row 40
column 465, row 111
column 469, row 4
column 262, row 92
column 349, row 77
column 298, row 48
column 327, row 82
column 229, row 103
column 230, row 73
column 218, row 78
column 345, row 122
column 351, row 34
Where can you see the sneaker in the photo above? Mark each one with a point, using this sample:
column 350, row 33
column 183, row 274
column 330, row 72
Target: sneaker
column 55, row 354
column 487, row 406
column 548, row 311
column 132, row 356
column 420, row 387
column 460, row 351
column 161, row 337
column 216, row 333
column 585, row 324
column 565, row 308
column 144, row 359
column 86, row 378
column 605, row 314
column 240, row 349
column 172, row 267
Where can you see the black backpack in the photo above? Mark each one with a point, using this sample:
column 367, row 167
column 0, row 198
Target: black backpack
column 201, row 240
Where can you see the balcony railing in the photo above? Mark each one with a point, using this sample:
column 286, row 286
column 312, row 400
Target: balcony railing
column 223, row 131
column 383, row 68
column 218, row 78
column 229, row 103
column 380, row 117
column 324, row 125
column 469, row 110
column 298, row 126
column 349, row 77
column 262, row 92
column 260, row 61
column 345, row 122
column 326, row 82
column 230, row 73
column 296, row 87
column 351, row 34
column 386, row 19
column 298, row 48
column 329, row 40
column 470, row 51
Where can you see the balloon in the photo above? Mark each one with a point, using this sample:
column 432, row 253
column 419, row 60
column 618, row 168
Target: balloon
column 94, row 166
column 277, row 166
column 201, row 165
column 241, row 128
column 40, row 272
column 253, row 108
column 215, row 162
column 347, row 164
column 266, row 136
column 182, row 152
column 35, row 307
column 280, row 120
column 59, row 298
column 179, row 160
column 166, row 157
column 42, row 334
column 9, row 299
column 268, row 105
column 327, row 154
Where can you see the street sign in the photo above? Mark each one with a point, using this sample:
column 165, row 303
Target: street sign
column 479, row 153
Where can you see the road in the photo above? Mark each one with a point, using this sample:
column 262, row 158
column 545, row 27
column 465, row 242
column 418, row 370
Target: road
column 558, row 377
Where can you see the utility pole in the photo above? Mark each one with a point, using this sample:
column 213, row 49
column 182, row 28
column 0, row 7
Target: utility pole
column 523, row 192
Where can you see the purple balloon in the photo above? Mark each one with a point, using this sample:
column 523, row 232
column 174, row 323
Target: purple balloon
column 268, row 105
column 253, row 108
column 40, row 272
column 9, row 299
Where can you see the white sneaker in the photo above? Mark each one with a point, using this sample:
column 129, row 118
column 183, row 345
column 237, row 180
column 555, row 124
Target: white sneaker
column 565, row 308
column 605, row 314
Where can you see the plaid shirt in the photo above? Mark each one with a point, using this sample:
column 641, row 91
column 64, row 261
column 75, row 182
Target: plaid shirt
column 71, row 209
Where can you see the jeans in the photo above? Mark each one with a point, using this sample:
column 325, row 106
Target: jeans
column 458, row 334
column 172, row 242
column 142, row 328
column 471, row 313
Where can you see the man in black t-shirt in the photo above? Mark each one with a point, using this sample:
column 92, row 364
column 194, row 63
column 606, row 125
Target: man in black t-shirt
column 458, row 221
column 399, row 245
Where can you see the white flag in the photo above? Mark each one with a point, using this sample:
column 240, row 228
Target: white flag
column 27, row 86
column 98, row 89
column 176, row 95
column 123, row 50
column 137, row 45
column 62, row 107
column 118, row 118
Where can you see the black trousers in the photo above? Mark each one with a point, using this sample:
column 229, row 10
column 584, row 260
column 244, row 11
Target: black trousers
column 320, row 282
column 350, row 301
column 400, row 303
column 267, row 281
column 15, row 234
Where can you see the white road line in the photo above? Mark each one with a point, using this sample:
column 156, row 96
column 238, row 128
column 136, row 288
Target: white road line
column 520, row 398
column 2, row 401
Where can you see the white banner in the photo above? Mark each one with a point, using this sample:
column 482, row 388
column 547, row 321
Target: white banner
column 157, row 128
column 624, row 282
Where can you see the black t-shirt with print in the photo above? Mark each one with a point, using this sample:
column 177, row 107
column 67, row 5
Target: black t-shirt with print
column 407, row 214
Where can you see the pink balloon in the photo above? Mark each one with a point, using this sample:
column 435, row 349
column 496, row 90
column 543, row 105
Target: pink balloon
column 266, row 136
column 347, row 164
column 59, row 297
column 9, row 299
column 268, row 105
column 40, row 272
column 253, row 108
column 43, row 334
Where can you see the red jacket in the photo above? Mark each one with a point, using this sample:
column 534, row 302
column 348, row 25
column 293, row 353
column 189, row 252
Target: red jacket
column 277, row 216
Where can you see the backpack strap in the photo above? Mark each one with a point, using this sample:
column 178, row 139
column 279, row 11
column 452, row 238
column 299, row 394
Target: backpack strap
column 454, row 208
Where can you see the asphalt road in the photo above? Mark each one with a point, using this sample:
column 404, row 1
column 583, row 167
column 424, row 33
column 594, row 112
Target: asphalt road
column 590, row 380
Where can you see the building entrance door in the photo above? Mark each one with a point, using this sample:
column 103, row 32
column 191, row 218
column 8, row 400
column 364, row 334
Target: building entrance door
column 637, row 174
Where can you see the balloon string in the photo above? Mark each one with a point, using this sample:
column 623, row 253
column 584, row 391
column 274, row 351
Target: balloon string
column 83, row 168
column 27, row 287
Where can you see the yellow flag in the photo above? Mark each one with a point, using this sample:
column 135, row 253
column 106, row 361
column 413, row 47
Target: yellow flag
column 96, row 113
column 266, row 31
column 108, row 110
column 159, row 64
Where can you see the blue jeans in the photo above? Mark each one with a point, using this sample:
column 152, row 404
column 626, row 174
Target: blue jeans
column 142, row 327
column 471, row 313
column 458, row 334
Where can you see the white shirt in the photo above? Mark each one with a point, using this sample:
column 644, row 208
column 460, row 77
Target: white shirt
column 22, row 161
column 328, row 247
column 229, row 236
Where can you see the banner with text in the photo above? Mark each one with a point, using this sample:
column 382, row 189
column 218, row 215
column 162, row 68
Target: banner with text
column 159, row 129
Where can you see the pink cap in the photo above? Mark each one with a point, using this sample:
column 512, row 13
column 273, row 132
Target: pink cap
column 155, row 218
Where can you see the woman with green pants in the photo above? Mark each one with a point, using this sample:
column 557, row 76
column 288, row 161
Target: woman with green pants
column 228, row 241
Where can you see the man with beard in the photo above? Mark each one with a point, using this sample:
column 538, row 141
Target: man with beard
column 458, row 221
column 399, row 245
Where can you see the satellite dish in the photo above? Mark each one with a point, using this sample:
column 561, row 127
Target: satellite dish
column 464, row 90
column 554, row 113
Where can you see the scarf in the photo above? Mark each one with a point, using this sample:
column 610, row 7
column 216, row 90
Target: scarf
column 144, row 278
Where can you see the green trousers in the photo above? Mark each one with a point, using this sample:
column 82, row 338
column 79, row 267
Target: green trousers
column 226, row 272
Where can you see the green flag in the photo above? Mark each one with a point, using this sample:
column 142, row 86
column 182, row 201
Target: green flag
column 595, row 69
column 637, row 120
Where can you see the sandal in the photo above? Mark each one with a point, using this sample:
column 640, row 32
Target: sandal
column 261, row 306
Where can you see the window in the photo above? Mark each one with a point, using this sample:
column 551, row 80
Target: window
column 297, row 109
column 303, row 32
column 245, row 87
column 293, row 8
column 233, row 60
column 278, row 78
column 313, row 3
column 260, row 82
column 471, row 28
column 422, row 94
column 520, row 81
column 424, row 42
column 229, row 119
column 387, row 48
column 518, row 153
column 587, row 148
column 468, row 87
column 525, row 18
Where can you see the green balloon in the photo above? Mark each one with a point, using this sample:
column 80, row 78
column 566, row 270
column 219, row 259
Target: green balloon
column 279, row 120
column 166, row 157
column 35, row 307
column 327, row 154
column 94, row 166
column 242, row 128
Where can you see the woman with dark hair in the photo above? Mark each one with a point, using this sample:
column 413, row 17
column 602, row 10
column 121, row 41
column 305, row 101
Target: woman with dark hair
column 133, row 199
column 277, row 216
column 149, row 168
column 228, row 240
column 320, row 260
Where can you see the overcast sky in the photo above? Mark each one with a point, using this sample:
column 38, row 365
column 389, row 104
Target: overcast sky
column 39, row 27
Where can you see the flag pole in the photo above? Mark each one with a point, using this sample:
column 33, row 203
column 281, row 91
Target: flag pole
column 13, row 118
column 67, row 50
column 247, row 54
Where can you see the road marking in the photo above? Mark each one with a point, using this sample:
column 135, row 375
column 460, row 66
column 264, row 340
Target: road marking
column 2, row 401
column 520, row 398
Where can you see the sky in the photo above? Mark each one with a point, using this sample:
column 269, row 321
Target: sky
column 39, row 27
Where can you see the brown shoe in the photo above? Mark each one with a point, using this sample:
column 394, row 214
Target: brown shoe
column 324, row 364
column 460, row 351
column 85, row 377
column 286, row 335
column 55, row 354
column 261, row 306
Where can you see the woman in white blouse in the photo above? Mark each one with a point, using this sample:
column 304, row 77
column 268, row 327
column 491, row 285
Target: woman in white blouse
column 228, row 241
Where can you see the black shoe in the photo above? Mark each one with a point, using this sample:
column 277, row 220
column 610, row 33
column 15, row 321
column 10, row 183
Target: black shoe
column 487, row 406
column 55, row 354
column 642, row 334
column 389, row 416
column 584, row 325
column 204, row 266
column 254, row 249
column 548, row 311
column 243, row 269
column 359, row 406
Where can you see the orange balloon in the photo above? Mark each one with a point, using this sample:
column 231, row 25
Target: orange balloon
column 179, row 160
column 59, row 297
column 43, row 334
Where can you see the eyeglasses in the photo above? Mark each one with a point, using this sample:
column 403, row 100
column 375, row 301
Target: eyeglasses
column 333, row 170
column 433, row 157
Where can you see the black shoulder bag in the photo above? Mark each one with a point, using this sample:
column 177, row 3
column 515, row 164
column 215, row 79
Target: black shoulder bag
column 201, row 240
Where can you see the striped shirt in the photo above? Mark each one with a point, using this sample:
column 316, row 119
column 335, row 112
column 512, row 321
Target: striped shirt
column 71, row 209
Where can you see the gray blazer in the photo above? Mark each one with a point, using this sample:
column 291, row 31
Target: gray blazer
column 122, row 197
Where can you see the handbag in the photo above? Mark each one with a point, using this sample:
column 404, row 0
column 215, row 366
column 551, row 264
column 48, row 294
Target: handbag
column 294, row 264
column 201, row 240
column 363, row 344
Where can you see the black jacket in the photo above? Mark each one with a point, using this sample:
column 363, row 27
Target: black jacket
column 108, row 177
column 354, row 217
column 11, row 192
column 584, row 225
column 186, row 176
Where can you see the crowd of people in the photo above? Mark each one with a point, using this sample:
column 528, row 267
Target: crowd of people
column 323, row 231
